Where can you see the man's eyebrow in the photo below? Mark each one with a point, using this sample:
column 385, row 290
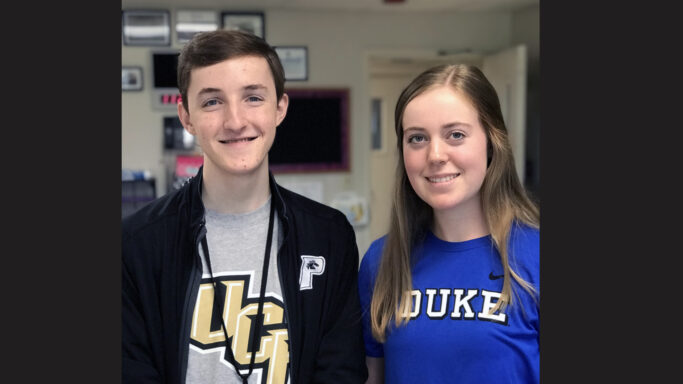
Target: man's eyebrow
column 208, row 90
column 250, row 87
column 253, row 87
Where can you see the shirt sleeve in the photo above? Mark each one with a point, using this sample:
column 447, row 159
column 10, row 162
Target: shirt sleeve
column 366, row 283
column 525, row 260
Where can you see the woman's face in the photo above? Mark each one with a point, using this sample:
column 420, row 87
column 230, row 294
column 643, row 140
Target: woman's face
column 444, row 149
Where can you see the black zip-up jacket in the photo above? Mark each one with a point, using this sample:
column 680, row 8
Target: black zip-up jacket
column 162, row 270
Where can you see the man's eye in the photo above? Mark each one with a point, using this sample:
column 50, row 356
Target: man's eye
column 253, row 99
column 210, row 102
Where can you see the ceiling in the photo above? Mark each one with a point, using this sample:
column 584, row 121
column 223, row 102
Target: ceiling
column 341, row 5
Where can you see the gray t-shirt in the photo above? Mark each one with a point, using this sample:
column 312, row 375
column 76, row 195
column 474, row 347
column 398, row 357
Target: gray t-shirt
column 237, row 244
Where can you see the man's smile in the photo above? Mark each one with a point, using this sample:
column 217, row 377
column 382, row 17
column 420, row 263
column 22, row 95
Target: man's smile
column 238, row 140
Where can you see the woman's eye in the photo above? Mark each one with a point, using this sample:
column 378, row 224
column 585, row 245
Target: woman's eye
column 416, row 139
column 457, row 135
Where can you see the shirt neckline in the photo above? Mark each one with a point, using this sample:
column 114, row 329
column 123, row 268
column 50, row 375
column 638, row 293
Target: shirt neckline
column 431, row 241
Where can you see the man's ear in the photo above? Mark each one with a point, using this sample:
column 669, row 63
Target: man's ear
column 282, row 105
column 184, row 117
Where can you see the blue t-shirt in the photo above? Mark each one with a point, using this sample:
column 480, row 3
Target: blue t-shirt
column 451, row 338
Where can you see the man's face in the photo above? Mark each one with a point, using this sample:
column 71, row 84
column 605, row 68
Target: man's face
column 233, row 113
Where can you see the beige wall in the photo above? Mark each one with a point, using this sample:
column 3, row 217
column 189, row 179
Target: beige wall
column 525, row 30
column 338, row 45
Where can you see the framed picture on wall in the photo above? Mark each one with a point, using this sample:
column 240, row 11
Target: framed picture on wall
column 131, row 78
column 146, row 28
column 245, row 21
column 191, row 22
column 294, row 61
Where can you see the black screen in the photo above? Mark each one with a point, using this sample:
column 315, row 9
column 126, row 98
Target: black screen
column 165, row 70
column 313, row 135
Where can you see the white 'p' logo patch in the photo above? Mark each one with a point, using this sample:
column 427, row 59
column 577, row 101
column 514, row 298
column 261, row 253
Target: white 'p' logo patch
column 310, row 265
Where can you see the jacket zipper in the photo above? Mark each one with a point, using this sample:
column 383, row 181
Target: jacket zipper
column 190, row 299
column 284, row 302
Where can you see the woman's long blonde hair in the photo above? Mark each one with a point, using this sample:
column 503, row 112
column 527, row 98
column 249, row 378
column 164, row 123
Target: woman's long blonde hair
column 504, row 199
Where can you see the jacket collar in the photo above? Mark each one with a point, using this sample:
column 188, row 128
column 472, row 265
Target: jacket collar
column 279, row 202
column 195, row 204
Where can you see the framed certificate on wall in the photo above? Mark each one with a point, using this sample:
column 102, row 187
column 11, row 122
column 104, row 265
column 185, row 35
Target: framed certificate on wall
column 294, row 61
column 189, row 23
column 146, row 28
column 131, row 78
column 252, row 22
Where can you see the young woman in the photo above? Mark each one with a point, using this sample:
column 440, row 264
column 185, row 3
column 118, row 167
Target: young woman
column 451, row 293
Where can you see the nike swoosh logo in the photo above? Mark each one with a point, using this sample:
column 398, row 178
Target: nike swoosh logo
column 494, row 277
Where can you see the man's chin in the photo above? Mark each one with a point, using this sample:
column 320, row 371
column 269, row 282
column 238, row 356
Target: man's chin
column 246, row 168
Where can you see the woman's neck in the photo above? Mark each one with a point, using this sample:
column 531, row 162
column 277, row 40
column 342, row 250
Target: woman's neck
column 460, row 223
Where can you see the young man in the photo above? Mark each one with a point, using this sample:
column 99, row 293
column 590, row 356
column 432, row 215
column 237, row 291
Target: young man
column 232, row 278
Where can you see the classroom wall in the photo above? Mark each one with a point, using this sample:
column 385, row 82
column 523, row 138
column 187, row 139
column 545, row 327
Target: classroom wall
column 338, row 45
column 525, row 30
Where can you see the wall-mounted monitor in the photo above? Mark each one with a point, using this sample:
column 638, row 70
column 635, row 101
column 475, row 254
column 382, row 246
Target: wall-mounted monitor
column 314, row 136
column 165, row 92
column 165, row 67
